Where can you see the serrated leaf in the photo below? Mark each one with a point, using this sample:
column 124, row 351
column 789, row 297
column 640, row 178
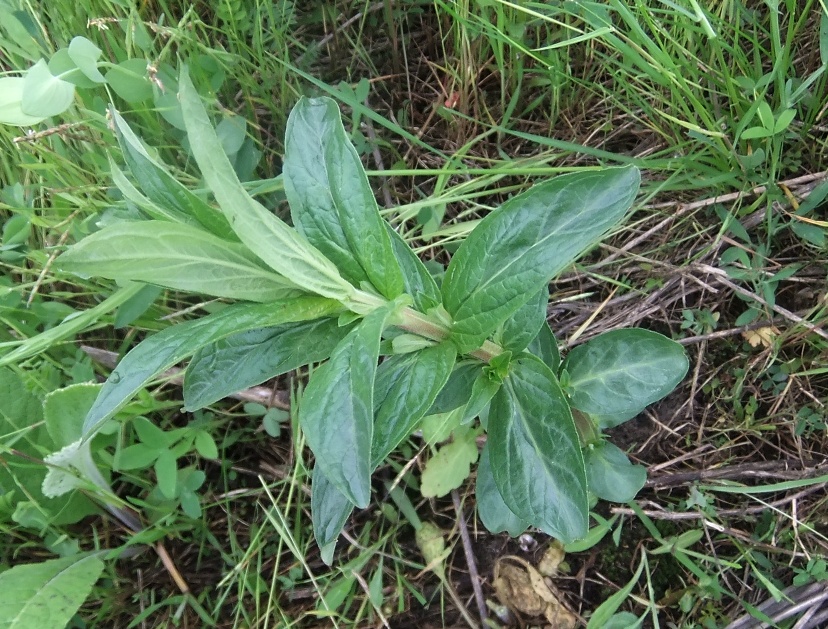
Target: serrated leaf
column 405, row 388
column 337, row 410
column 493, row 512
column 447, row 469
column 172, row 345
column 11, row 103
column 535, row 454
column 175, row 255
column 86, row 54
column 517, row 249
column 45, row 95
column 525, row 323
column 545, row 347
column 331, row 201
column 164, row 190
column 623, row 371
column 250, row 358
column 47, row 594
column 279, row 246
column 330, row 509
column 610, row 475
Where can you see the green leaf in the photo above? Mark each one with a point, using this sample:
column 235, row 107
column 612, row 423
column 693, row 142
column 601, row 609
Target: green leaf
column 65, row 409
column 457, row 391
column 755, row 133
column 86, row 54
column 493, row 512
column 404, row 390
column 205, row 445
column 11, row 103
column 610, row 475
column 784, row 120
column 250, row 358
column 166, row 473
column 162, row 188
column 172, row 345
column 482, row 392
column 279, row 246
column 535, row 454
column 419, row 283
column 129, row 80
column 330, row 509
column 47, row 594
column 525, row 323
column 545, row 347
column 602, row 616
column 517, row 249
column 337, row 414
column 175, row 255
column 765, row 114
column 331, row 201
column 63, row 66
column 45, row 95
column 450, row 466
column 136, row 306
column 623, row 371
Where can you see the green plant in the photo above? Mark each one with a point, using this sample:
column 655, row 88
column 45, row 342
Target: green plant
column 343, row 286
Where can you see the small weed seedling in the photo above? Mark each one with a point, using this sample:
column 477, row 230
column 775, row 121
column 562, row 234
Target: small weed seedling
column 470, row 355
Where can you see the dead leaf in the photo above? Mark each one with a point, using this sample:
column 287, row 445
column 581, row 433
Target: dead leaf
column 761, row 336
column 523, row 589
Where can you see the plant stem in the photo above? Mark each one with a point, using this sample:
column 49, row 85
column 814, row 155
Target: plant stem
column 417, row 323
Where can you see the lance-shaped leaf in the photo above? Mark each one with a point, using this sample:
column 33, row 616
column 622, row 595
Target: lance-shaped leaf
column 619, row 373
column 535, row 455
column 330, row 198
column 330, row 509
column 405, row 389
column 419, row 283
column 493, row 512
column 279, row 246
column 525, row 323
column 517, row 249
column 163, row 350
column 249, row 358
column 161, row 187
column 337, row 409
column 179, row 256
column 545, row 347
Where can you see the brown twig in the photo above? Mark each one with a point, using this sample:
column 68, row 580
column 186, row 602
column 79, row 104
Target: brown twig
column 470, row 560
column 788, row 470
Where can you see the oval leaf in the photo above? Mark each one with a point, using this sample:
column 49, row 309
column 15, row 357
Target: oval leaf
column 610, row 475
column 175, row 255
column 623, row 371
column 85, row 54
column 405, row 389
column 330, row 198
column 337, row 410
column 535, row 455
column 129, row 80
column 11, row 103
column 44, row 94
column 517, row 249
column 491, row 509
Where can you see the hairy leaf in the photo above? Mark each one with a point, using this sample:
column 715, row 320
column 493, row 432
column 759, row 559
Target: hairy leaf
column 535, row 454
column 517, row 249
column 161, row 187
column 279, row 246
column 405, row 388
column 179, row 256
column 610, row 475
column 249, row 358
column 493, row 512
column 621, row 372
column 47, row 594
column 330, row 198
column 163, row 350
column 337, row 409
